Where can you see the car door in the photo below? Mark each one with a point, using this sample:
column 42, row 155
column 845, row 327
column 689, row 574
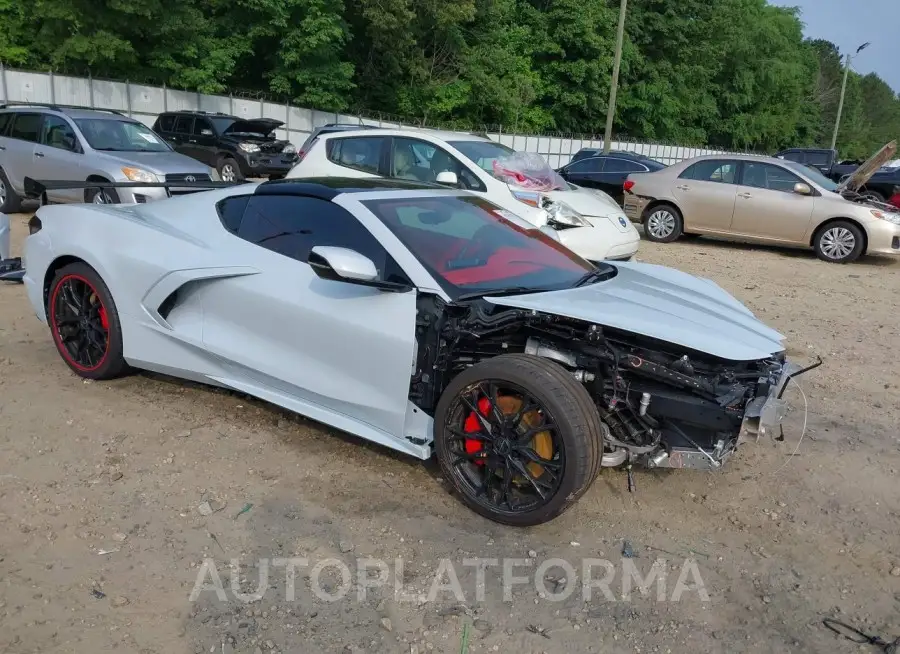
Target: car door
column 419, row 160
column 767, row 206
column 59, row 156
column 201, row 143
column 181, row 133
column 358, row 156
column 584, row 172
column 706, row 193
column 18, row 156
column 342, row 351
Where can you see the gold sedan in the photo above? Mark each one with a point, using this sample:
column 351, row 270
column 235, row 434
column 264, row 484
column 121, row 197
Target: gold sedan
column 765, row 200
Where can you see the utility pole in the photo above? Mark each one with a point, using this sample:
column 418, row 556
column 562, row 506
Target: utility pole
column 614, row 83
column 837, row 122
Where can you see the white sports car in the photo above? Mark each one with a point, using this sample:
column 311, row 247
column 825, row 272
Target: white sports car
column 424, row 320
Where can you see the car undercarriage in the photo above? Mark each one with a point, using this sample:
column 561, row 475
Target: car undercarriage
column 663, row 407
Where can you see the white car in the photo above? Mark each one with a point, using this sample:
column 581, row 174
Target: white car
column 587, row 221
column 427, row 320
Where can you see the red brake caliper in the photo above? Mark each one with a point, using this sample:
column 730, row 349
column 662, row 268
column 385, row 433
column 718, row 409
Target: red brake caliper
column 473, row 425
column 104, row 319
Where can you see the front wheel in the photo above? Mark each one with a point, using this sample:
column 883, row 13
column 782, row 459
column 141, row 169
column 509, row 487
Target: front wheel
column 663, row 224
column 839, row 242
column 519, row 439
column 85, row 324
column 229, row 170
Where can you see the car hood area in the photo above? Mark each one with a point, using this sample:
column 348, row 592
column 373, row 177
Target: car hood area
column 665, row 304
column 159, row 163
column 586, row 202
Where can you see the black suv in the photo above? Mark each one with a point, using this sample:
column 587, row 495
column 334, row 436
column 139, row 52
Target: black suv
column 236, row 147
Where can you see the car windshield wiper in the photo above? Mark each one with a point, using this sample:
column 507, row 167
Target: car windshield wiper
column 510, row 290
column 595, row 275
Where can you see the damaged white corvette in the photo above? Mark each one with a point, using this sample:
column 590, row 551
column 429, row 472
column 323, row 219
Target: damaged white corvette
column 427, row 320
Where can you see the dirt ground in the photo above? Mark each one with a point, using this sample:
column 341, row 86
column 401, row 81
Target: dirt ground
column 130, row 468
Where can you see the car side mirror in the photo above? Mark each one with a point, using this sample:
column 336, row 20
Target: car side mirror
column 206, row 132
column 802, row 189
column 447, row 178
column 346, row 265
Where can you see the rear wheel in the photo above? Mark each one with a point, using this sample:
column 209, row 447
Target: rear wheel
column 663, row 224
column 839, row 242
column 85, row 324
column 519, row 438
column 9, row 201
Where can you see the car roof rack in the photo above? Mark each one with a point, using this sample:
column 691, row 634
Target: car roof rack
column 57, row 107
column 200, row 111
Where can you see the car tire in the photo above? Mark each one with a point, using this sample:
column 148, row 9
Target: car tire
column 9, row 201
column 229, row 170
column 839, row 242
column 569, row 451
column 873, row 195
column 85, row 324
column 663, row 224
column 101, row 196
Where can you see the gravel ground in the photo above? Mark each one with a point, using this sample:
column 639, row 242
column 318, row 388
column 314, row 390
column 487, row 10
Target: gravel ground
column 155, row 474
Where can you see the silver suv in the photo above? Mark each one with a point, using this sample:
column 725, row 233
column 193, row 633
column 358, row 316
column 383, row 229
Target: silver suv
column 53, row 142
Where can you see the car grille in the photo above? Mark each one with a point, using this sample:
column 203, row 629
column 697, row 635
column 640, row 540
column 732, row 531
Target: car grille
column 183, row 177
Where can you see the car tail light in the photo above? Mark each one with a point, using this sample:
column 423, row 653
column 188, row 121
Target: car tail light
column 628, row 185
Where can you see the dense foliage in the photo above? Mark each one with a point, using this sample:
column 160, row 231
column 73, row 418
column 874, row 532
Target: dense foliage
column 730, row 73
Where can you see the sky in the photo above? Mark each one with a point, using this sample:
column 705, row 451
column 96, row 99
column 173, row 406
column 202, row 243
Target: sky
column 846, row 24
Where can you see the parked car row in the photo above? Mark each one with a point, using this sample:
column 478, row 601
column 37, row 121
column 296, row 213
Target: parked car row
column 786, row 200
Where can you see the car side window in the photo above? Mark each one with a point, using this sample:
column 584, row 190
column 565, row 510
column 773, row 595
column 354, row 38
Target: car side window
column 27, row 127
column 293, row 225
column 421, row 161
column 585, row 166
column 796, row 157
column 183, row 124
column 714, row 170
column 57, row 133
column 201, row 124
column 5, row 119
column 767, row 176
column 360, row 153
column 166, row 122
column 817, row 158
column 614, row 165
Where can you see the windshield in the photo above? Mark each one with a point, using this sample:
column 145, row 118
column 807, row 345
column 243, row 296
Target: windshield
column 474, row 247
column 482, row 153
column 812, row 174
column 120, row 135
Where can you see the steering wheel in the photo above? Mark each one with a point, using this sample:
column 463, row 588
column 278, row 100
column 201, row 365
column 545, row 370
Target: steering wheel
column 477, row 244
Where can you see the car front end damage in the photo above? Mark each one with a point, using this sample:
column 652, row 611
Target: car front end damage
column 662, row 405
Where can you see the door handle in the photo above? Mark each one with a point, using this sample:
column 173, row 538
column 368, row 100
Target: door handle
column 192, row 140
column 683, row 187
column 38, row 154
column 744, row 195
column 2, row 147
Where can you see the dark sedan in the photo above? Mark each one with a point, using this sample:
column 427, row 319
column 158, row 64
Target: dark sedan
column 608, row 172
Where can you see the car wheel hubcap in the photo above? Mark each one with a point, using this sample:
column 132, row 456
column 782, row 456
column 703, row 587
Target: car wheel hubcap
column 661, row 224
column 2, row 193
column 838, row 243
column 102, row 198
column 504, row 448
column 80, row 323
column 228, row 173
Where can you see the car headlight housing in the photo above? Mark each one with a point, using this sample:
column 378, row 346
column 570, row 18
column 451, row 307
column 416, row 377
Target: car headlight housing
column 139, row 175
column 531, row 198
column 562, row 216
column 249, row 147
column 891, row 217
column 289, row 149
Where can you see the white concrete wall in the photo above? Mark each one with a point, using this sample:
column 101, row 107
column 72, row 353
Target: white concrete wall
column 145, row 103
